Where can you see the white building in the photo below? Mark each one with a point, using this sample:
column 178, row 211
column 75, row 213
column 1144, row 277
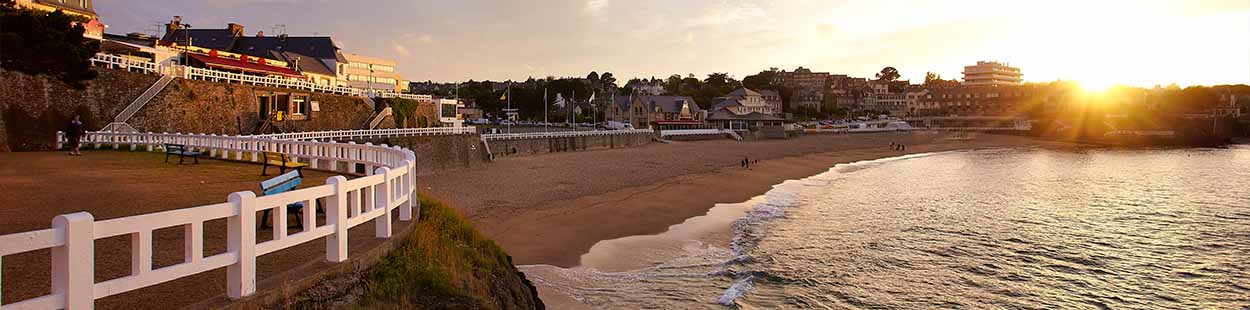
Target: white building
column 745, row 101
column 990, row 73
column 366, row 72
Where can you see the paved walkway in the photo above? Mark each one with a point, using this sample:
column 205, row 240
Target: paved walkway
column 37, row 186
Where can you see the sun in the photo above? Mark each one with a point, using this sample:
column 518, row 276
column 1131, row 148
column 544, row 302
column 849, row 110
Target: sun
column 1095, row 85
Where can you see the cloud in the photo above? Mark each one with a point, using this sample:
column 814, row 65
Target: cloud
column 726, row 13
column 596, row 6
column 401, row 49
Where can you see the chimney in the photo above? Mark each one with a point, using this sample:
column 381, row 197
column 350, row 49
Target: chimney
column 235, row 29
column 173, row 25
column 260, row 34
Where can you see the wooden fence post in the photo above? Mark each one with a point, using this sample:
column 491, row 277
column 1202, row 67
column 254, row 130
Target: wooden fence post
column 73, row 264
column 336, row 215
column 241, row 239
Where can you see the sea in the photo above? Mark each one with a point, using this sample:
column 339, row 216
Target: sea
column 1023, row 228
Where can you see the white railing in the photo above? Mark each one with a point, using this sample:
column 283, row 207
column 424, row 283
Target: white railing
column 689, row 132
column 389, row 186
column 193, row 73
column 562, row 134
column 125, row 63
column 377, row 119
column 143, row 99
column 370, row 133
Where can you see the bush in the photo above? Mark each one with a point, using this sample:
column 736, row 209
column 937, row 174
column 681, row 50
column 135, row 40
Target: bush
column 38, row 42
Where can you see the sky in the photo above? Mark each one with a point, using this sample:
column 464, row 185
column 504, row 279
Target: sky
column 1095, row 42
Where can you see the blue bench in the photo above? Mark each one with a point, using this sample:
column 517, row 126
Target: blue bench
column 181, row 151
column 281, row 184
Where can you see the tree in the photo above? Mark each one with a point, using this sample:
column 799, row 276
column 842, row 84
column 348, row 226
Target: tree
column 888, row 74
column 932, row 78
column 38, row 42
column 608, row 80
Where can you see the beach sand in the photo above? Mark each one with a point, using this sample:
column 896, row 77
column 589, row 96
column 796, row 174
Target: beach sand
column 550, row 209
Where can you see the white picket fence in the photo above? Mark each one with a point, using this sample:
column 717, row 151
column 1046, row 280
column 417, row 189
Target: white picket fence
column 389, row 187
column 370, row 133
column 118, row 62
column 562, row 134
column 193, row 73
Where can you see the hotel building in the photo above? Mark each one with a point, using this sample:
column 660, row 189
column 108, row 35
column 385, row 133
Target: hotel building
column 990, row 73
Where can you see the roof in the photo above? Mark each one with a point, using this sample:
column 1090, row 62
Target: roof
column 304, row 63
column 727, row 102
column 670, row 104
column 622, row 102
column 235, row 64
column 742, row 93
column 218, row 39
column 319, row 47
column 724, row 115
column 131, row 40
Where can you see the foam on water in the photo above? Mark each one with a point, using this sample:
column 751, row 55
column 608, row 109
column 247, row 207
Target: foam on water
column 977, row 229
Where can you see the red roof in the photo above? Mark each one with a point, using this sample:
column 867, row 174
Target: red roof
column 235, row 64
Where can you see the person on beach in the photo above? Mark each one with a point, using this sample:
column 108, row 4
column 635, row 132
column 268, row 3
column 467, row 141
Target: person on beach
column 74, row 132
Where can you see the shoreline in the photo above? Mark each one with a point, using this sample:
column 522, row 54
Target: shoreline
column 544, row 213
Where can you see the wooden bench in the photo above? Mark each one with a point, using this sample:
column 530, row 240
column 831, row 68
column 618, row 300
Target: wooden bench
column 181, row 151
column 282, row 161
column 281, row 184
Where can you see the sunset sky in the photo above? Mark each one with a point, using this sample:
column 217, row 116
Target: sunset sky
column 1137, row 42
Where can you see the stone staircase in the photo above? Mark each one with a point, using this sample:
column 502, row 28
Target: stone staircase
column 119, row 123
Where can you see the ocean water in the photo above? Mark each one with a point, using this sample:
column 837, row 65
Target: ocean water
column 989, row 229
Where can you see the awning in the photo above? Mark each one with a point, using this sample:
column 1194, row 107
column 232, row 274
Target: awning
column 235, row 64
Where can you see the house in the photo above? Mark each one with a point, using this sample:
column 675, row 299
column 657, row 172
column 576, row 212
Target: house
column 744, row 101
column 773, row 99
column 81, row 8
column 314, row 58
column 664, row 112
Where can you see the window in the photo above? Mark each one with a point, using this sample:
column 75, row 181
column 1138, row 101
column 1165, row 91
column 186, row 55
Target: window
column 299, row 105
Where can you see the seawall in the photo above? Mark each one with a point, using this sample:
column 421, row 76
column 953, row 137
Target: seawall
column 440, row 153
column 524, row 147
column 34, row 107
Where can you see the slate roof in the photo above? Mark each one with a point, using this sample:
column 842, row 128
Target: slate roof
column 670, row 104
column 223, row 40
column 319, row 47
column 218, row 39
column 305, row 63
column 742, row 93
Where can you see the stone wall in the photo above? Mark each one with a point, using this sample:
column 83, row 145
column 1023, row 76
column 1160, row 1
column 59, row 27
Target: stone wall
column 33, row 108
column 440, row 153
column 506, row 148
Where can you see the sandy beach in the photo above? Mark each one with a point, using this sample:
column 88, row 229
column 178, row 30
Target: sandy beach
column 550, row 209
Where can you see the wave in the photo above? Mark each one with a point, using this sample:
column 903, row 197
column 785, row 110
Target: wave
column 750, row 228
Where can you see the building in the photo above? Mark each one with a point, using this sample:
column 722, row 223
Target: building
column 745, row 101
column 315, row 59
column 1003, row 100
column 916, row 105
column 366, row 72
column 809, row 88
column 990, row 73
column 653, row 87
column 725, row 119
column 773, row 100
column 81, row 8
column 882, row 100
column 664, row 112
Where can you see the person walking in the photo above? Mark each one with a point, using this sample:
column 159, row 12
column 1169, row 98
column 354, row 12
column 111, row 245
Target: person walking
column 74, row 132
